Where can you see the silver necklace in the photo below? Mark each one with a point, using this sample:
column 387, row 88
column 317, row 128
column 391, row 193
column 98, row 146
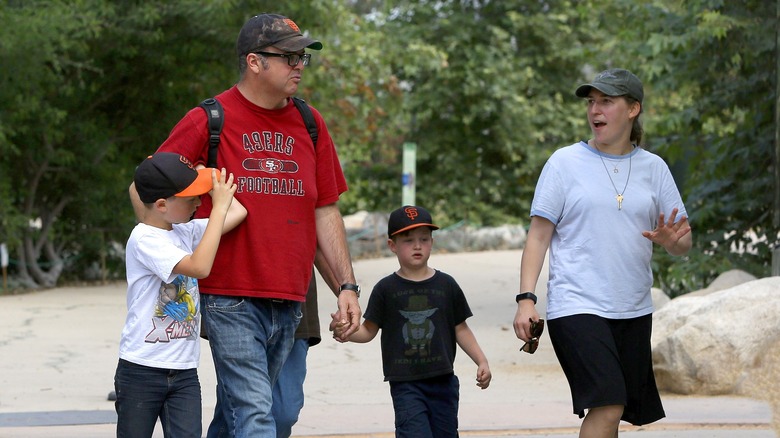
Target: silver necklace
column 618, row 195
column 614, row 164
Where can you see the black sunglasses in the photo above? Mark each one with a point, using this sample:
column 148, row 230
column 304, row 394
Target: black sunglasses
column 537, row 328
column 292, row 58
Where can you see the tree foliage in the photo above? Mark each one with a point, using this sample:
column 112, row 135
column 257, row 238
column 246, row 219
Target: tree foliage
column 488, row 96
column 79, row 76
column 484, row 88
column 713, row 106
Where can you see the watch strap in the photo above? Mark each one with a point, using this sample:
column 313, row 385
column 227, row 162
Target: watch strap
column 350, row 286
column 526, row 296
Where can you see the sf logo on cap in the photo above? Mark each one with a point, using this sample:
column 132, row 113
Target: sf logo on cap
column 292, row 24
column 186, row 161
column 411, row 212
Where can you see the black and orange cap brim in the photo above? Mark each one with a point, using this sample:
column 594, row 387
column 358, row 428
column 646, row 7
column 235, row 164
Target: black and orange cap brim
column 200, row 186
column 435, row 227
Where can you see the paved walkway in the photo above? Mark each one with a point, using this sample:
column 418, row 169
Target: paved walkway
column 58, row 352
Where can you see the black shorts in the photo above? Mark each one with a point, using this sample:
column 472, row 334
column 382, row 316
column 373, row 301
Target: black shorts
column 608, row 362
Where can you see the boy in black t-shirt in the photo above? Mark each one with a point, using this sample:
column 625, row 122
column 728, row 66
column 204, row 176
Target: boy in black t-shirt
column 422, row 313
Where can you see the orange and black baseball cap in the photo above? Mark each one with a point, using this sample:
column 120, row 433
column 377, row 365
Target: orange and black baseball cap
column 407, row 218
column 265, row 30
column 167, row 174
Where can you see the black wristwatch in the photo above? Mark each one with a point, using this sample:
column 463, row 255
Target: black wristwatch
column 352, row 287
column 526, row 296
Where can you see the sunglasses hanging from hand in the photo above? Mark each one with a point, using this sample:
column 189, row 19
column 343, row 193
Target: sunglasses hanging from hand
column 537, row 328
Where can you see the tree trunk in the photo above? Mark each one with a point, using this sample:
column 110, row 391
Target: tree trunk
column 25, row 280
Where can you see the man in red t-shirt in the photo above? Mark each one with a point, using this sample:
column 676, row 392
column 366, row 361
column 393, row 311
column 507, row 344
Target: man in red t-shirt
column 290, row 188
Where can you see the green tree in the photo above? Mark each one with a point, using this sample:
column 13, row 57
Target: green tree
column 43, row 66
column 78, row 76
column 93, row 87
column 488, row 98
column 711, row 66
column 483, row 87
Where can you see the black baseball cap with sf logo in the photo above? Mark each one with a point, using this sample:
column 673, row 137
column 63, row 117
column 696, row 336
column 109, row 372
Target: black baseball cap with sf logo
column 408, row 217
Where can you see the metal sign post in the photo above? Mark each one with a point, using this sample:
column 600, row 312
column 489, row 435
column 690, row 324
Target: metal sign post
column 4, row 264
column 409, row 173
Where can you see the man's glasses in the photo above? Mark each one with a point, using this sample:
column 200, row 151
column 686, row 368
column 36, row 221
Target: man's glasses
column 292, row 58
column 537, row 328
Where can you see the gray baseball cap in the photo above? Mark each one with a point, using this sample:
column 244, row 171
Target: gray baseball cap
column 265, row 30
column 614, row 82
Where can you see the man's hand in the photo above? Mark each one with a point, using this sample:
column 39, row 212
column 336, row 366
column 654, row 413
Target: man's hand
column 348, row 315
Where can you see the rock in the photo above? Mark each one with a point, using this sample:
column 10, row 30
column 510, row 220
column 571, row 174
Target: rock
column 365, row 225
column 714, row 343
column 725, row 280
column 467, row 238
column 763, row 383
column 659, row 298
column 367, row 236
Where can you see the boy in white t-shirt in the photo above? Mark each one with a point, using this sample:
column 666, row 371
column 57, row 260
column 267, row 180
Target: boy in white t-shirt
column 166, row 253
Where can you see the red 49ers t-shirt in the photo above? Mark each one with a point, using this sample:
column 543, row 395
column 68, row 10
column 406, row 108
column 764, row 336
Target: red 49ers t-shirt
column 281, row 179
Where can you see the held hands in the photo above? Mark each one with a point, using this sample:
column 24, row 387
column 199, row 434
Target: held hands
column 339, row 327
column 347, row 317
column 670, row 234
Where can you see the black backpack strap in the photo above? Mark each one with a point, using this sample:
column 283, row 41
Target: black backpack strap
column 308, row 118
column 215, row 119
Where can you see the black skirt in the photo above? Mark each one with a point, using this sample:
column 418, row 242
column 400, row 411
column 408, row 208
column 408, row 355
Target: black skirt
column 608, row 362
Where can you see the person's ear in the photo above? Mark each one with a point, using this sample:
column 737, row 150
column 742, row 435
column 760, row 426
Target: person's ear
column 254, row 62
column 636, row 108
column 161, row 204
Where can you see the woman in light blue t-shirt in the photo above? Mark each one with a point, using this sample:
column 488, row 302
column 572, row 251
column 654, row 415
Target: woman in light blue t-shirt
column 599, row 206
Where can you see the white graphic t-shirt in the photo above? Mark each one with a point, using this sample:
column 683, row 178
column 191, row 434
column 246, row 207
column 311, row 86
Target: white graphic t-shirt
column 162, row 328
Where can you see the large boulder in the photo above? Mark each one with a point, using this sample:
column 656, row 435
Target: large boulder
column 725, row 280
column 659, row 298
column 716, row 343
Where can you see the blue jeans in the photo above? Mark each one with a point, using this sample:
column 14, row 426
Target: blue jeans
column 250, row 339
column 144, row 394
column 426, row 408
column 288, row 391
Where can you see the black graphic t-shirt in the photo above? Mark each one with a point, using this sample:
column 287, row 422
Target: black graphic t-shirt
column 418, row 320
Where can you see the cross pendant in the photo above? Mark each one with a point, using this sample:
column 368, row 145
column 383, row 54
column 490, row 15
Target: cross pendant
column 619, row 198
